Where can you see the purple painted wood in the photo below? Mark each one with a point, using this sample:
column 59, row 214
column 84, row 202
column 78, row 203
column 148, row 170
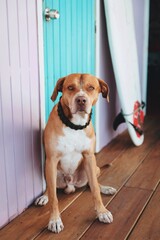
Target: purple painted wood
column 33, row 57
column 3, row 184
column 16, row 102
column 20, row 150
column 3, row 61
column 7, row 117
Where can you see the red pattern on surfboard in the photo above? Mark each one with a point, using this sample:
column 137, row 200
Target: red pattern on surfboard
column 138, row 117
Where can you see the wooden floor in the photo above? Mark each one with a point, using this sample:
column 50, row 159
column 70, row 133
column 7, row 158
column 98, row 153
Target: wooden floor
column 134, row 172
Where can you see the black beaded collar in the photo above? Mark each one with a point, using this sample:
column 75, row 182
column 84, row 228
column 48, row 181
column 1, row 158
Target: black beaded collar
column 68, row 123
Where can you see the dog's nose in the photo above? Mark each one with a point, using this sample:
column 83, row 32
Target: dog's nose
column 81, row 100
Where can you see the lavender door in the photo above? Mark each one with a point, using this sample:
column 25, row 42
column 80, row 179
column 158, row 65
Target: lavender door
column 20, row 158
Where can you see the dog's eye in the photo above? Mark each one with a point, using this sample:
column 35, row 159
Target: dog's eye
column 70, row 88
column 91, row 88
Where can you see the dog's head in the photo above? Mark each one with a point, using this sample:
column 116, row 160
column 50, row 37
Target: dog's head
column 80, row 91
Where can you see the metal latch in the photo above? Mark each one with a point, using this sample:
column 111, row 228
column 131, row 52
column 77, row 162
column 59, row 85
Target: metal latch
column 51, row 14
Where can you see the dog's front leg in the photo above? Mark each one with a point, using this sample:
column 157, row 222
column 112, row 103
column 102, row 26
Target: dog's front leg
column 55, row 222
column 90, row 167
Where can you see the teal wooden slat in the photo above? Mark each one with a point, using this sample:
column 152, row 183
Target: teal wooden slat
column 56, row 47
column 79, row 36
column 74, row 37
column 90, row 35
column 93, row 36
column 69, row 42
column 63, row 37
column 84, row 37
column 48, row 58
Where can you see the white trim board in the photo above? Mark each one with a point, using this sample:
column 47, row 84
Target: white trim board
column 41, row 76
column 97, row 72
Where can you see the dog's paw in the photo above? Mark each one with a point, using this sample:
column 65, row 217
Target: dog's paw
column 105, row 217
column 55, row 226
column 107, row 190
column 41, row 201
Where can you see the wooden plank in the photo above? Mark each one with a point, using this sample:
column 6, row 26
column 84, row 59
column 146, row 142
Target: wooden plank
column 147, row 175
column 148, row 227
column 113, row 149
column 77, row 218
column 35, row 219
column 126, row 207
column 129, row 160
column 121, row 142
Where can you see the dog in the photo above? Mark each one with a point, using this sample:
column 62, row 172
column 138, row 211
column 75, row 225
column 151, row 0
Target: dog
column 69, row 141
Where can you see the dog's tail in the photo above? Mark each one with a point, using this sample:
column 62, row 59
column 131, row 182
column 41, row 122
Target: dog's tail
column 107, row 165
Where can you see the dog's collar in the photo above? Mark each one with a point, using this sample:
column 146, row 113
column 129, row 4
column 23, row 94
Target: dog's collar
column 67, row 122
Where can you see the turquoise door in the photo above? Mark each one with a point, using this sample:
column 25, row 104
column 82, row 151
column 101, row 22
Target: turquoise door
column 69, row 42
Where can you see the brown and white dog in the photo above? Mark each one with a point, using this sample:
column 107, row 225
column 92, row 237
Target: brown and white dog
column 69, row 141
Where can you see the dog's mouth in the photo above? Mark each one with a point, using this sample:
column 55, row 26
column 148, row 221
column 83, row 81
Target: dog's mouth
column 81, row 109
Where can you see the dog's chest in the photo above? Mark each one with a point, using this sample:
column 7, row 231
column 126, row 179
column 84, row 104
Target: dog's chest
column 71, row 145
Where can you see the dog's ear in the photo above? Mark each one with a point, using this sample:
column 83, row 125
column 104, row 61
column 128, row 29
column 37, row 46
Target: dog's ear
column 104, row 89
column 58, row 88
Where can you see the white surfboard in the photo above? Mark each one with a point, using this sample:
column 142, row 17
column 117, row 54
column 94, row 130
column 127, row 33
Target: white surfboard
column 122, row 41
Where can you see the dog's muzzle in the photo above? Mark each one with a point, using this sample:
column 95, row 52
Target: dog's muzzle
column 81, row 102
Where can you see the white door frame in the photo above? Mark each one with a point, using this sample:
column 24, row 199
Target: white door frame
column 41, row 80
column 97, row 70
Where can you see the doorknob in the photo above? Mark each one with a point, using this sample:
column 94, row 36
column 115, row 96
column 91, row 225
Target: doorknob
column 51, row 14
